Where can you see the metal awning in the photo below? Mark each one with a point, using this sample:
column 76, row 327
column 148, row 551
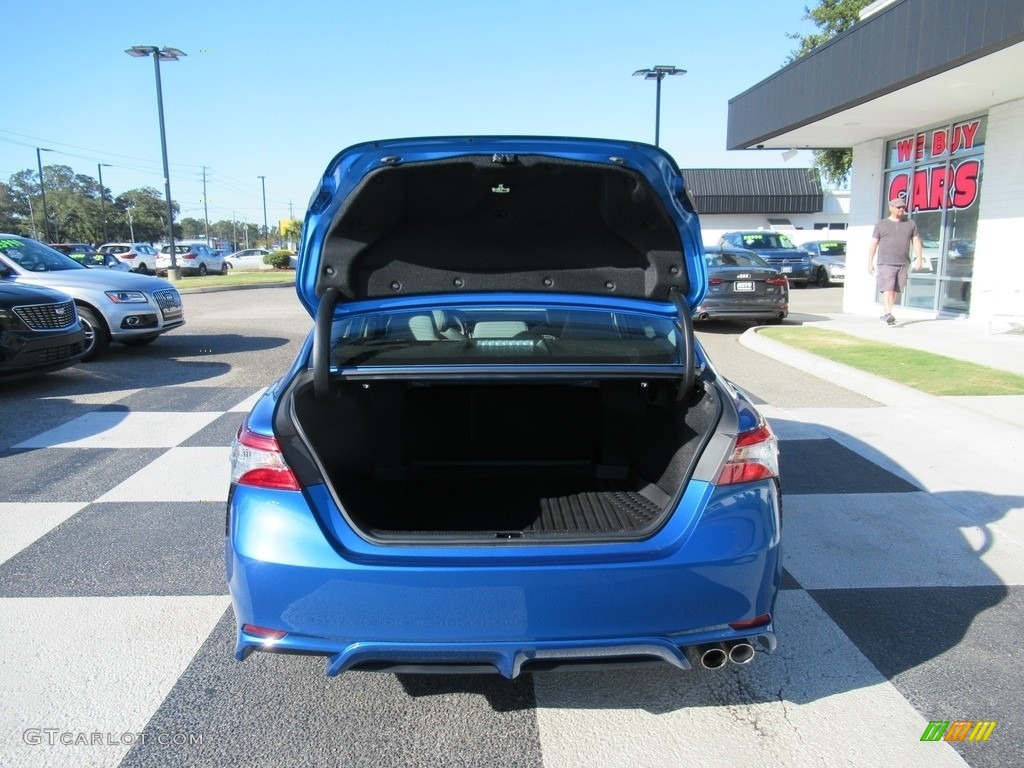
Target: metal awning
column 755, row 190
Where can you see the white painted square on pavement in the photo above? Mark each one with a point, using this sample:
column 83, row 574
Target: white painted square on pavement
column 790, row 708
column 123, row 429
column 85, row 665
column 180, row 474
column 23, row 522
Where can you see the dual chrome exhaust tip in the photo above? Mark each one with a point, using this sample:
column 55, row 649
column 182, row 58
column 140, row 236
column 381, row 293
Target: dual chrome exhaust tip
column 717, row 655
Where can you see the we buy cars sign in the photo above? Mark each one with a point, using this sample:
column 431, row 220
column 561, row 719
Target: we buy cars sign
column 948, row 183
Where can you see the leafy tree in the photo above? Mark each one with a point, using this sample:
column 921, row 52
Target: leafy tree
column 830, row 17
column 9, row 221
column 291, row 231
column 142, row 215
column 192, row 228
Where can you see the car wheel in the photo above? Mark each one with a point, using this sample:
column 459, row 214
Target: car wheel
column 224, row 268
column 823, row 280
column 97, row 337
column 202, row 270
column 139, row 342
column 143, row 269
column 774, row 320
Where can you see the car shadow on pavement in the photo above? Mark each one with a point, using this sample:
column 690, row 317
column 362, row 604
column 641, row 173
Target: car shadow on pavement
column 884, row 582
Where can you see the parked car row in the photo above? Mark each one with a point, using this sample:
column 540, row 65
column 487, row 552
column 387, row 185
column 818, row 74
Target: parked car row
column 191, row 258
column 105, row 306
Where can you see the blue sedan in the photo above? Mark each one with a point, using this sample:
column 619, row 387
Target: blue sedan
column 501, row 447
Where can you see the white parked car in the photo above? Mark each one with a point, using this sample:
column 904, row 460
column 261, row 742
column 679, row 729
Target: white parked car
column 140, row 257
column 828, row 260
column 248, row 259
column 192, row 259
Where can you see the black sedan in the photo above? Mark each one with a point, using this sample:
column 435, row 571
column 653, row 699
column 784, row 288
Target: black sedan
column 39, row 331
column 742, row 285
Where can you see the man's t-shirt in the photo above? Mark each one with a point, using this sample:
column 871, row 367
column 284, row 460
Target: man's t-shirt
column 894, row 239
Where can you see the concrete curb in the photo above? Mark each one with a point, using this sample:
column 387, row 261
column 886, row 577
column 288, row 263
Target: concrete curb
column 884, row 391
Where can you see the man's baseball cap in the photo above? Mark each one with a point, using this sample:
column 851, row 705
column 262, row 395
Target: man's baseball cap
column 897, row 201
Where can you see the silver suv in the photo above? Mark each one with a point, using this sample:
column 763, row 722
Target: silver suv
column 113, row 306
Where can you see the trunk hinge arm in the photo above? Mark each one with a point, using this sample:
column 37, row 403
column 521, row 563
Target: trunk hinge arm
column 322, row 343
column 686, row 320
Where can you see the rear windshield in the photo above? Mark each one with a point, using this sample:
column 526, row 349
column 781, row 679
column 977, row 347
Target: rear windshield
column 489, row 335
column 766, row 240
column 734, row 260
column 832, row 249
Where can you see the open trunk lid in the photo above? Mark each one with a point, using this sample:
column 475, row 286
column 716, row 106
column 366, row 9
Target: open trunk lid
column 484, row 214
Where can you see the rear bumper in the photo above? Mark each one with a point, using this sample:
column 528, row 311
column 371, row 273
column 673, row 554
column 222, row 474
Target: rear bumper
column 506, row 609
column 773, row 308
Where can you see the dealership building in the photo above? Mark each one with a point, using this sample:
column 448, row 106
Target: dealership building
column 930, row 96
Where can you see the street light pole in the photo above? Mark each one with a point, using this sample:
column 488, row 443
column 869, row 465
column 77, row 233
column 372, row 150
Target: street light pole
column 658, row 73
column 103, row 195
column 165, row 54
column 42, row 189
column 266, row 231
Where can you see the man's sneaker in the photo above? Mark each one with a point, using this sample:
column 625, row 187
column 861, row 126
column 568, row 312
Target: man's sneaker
column 890, row 320
column 885, row 319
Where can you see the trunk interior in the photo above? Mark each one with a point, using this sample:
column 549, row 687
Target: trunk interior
column 505, row 460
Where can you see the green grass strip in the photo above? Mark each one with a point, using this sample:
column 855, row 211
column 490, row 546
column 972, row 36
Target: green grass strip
column 928, row 372
column 237, row 278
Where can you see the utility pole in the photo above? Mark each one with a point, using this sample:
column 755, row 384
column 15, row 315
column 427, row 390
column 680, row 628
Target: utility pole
column 266, row 230
column 103, row 195
column 42, row 189
column 206, row 212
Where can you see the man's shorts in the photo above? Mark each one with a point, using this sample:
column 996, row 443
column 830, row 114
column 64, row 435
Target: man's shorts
column 892, row 277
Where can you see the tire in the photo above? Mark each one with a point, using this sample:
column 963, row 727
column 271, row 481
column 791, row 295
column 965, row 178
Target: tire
column 202, row 269
column 141, row 342
column 822, row 277
column 97, row 336
column 143, row 269
column 224, row 268
column 774, row 320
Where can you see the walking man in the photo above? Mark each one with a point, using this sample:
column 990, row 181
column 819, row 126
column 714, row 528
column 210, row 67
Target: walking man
column 891, row 241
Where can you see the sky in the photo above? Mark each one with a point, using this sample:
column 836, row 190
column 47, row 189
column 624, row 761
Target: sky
column 276, row 89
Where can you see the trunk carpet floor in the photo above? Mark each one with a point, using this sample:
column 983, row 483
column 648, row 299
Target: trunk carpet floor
column 541, row 505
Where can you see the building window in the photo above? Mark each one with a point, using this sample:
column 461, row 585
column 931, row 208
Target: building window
column 938, row 171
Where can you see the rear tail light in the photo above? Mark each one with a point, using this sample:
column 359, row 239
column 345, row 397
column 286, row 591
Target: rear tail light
column 758, row 621
column 188, row 255
column 755, row 457
column 256, row 461
column 777, row 280
column 126, row 255
column 715, row 281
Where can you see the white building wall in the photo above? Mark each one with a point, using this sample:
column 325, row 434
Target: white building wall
column 998, row 291
column 835, row 213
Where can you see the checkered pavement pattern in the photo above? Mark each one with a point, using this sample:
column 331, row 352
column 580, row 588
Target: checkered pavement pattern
column 900, row 606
